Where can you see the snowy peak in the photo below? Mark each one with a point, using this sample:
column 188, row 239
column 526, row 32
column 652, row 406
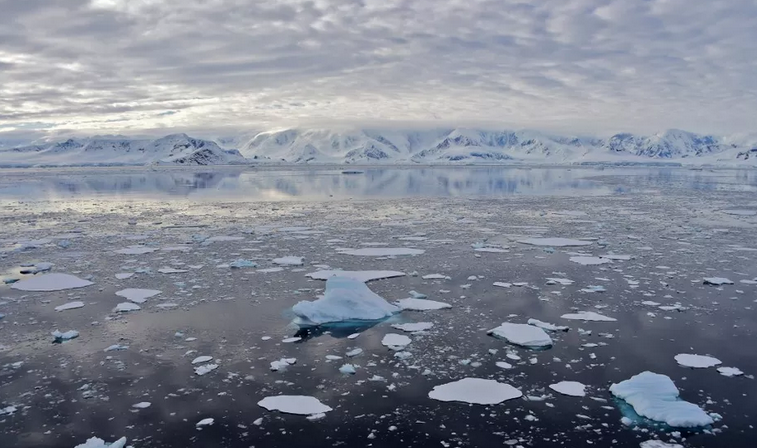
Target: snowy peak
column 669, row 144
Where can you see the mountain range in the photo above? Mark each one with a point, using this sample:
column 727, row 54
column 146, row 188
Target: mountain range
column 390, row 146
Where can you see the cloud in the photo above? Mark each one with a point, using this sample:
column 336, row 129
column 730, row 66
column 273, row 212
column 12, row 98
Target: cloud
column 573, row 65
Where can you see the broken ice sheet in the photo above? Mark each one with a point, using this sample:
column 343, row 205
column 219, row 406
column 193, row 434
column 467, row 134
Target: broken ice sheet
column 696, row 361
column 422, row 305
column 51, row 282
column 137, row 295
column 475, row 391
column 96, row 442
column 294, row 404
column 69, row 306
column 523, row 335
column 396, row 341
column 570, row 388
column 289, row 261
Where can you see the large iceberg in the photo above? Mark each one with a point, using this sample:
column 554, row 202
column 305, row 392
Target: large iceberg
column 655, row 397
column 345, row 299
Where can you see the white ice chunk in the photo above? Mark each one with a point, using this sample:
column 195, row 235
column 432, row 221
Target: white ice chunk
column 588, row 316
column 571, row 388
column 615, row 257
column 493, row 250
column 282, row 364
column 136, row 250
column 126, row 307
column 658, row 444
column 137, row 295
column 348, row 369
column 142, row 405
column 396, row 341
column 435, row 277
column 361, row 276
column 172, row 271
column 503, row 365
column 730, row 371
column 717, row 281
column 65, row 336
column 51, row 282
column 739, row 212
column 560, row 281
column 345, row 299
column 412, row 327
column 556, row 242
column 547, row 326
column 382, row 251
column 475, row 391
column 696, row 361
column 522, row 334
column 95, row 442
column 503, row 284
column 69, row 306
column 205, row 422
column 205, row 368
column 656, row 397
column 294, row 404
column 202, row 359
column 124, row 275
column 422, row 305
column 589, row 261
column 289, row 261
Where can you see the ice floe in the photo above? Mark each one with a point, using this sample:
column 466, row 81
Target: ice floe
column 348, row 369
column 172, row 271
column 413, row 327
column 69, row 306
column 658, row 444
column 361, row 276
column 475, row 391
column 559, row 281
column 588, row 316
column 717, row 281
column 205, row 369
column 381, row 251
column 421, row 304
column 205, row 422
column 282, row 363
column 656, row 397
column 555, row 242
column 294, row 404
column 436, row 277
column 51, row 282
column 547, row 326
column 696, row 361
column 142, row 405
column 730, row 371
column 396, row 341
column 523, row 335
column 126, row 307
column 202, row 359
column 571, row 388
column 137, row 295
column 289, row 261
column 242, row 263
column 96, row 442
column 345, row 299
column 124, row 275
column 65, row 336
column 589, row 261
column 137, row 250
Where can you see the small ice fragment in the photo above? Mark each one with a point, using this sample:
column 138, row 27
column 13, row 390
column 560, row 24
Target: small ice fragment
column 96, row 442
column 289, row 261
column 136, row 250
column 717, row 281
column 292, row 339
column 417, row 295
column 594, row 288
column 571, row 388
column 396, row 341
column 658, row 444
column 475, row 391
column 116, row 348
column 205, row 422
column 348, row 369
column 294, row 404
column 345, row 299
column 126, row 307
column 524, row 335
column 172, row 271
column 730, row 371
column 65, row 336
column 142, row 405
column 282, row 364
column 557, row 242
column 353, row 336
column 547, row 326
column 588, row 316
column 258, row 421
column 381, row 251
column 560, row 281
column 503, row 365
column 436, row 277
column 421, row 305
column 696, row 361
column 242, row 263
column 124, row 275
column 205, row 368
column 354, row 352
column 589, row 261
column 137, row 295
column 412, row 327
column 503, row 284
column 202, row 359
column 50, row 282
column 69, row 306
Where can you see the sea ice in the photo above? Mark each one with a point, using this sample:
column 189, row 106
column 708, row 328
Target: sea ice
column 242, row 263
column 51, row 282
column 656, row 397
column 65, row 336
column 282, row 363
column 396, row 341
column 503, row 365
column 348, row 369
column 289, row 261
column 436, row 277
column 137, row 295
column 588, row 316
column 205, row 368
column 589, row 261
column 421, row 305
column 361, row 276
column 202, row 359
column 556, row 242
column 294, row 404
column 502, row 284
column 124, row 275
column 126, row 307
column 95, row 442
column 717, row 281
column 69, row 306
column 560, row 281
column 172, row 271
column 547, row 326
column 382, row 251
column 730, row 371
column 345, row 299
column 571, row 388
column 136, row 250
column 412, row 327
column 696, row 361
column 658, row 444
column 205, row 422
column 475, row 391
column 523, row 335
column 494, row 250
column 142, row 405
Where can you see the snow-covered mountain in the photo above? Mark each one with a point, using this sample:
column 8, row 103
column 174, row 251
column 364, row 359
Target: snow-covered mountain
column 175, row 149
column 392, row 146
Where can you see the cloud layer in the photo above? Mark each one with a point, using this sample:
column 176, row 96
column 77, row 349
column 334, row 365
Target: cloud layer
column 577, row 65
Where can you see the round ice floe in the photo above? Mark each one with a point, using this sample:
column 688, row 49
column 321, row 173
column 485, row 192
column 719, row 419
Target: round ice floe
column 51, row 282
column 475, row 391
column 556, row 242
column 571, row 388
column 521, row 334
column 294, row 404
column 396, row 341
column 696, row 361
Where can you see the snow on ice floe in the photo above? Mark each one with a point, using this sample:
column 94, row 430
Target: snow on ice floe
column 205, row 369
column 588, row 316
column 294, row 404
column 137, row 295
column 381, row 251
column 136, row 250
column 289, row 261
column 51, row 282
column 546, row 325
column 730, row 371
column 396, row 341
column 523, row 335
column 345, row 300
column 475, row 391
column 361, row 276
column 96, row 442
column 69, row 306
column 555, row 242
column 658, row 444
column 656, row 397
column 717, row 281
column 413, row 327
column 65, row 336
column 696, row 361
column 126, row 307
column 589, row 261
column 421, row 304
column 570, row 388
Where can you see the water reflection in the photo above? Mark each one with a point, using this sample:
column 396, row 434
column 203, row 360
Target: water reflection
column 289, row 184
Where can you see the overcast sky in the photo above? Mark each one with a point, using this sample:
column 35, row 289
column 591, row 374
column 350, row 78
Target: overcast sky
column 580, row 66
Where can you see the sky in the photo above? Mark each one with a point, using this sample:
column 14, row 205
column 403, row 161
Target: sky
column 229, row 66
